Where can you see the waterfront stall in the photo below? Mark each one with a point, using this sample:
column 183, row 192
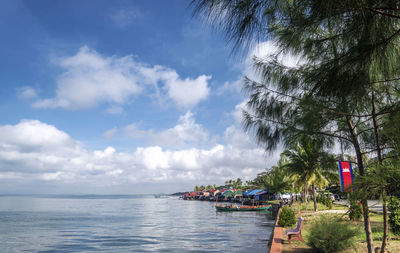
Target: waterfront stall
column 219, row 196
column 196, row 195
column 238, row 195
column 249, row 196
column 191, row 196
column 252, row 193
column 205, row 195
column 262, row 196
column 228, row 195
column 213, row 194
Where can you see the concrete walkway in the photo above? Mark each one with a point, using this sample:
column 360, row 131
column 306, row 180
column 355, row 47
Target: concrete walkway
column 332, row 211
column 374, row 205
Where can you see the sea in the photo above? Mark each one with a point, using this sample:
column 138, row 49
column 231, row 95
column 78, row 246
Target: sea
column 127, row 223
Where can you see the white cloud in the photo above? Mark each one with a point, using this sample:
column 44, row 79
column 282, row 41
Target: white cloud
column 32, row 152
column 152, row 158
column 265, row 50
column 26, row 92
column 123, row 18
column 33, row 135
column 91, row 79
column 114, row 109
column 187, row 93
column 268, row 48
column 185, row 133
column 237, row 114
column 110, row 133
column 229, row 87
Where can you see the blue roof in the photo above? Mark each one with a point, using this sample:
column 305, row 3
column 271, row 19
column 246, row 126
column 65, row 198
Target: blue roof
column 258, row 195
column 253, row 192
column 261, row 193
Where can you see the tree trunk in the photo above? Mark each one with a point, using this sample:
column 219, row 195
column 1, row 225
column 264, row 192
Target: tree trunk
column 314, row 198
column 382, row 168
column 361, row 171
column 385, row 223
column 305, row 194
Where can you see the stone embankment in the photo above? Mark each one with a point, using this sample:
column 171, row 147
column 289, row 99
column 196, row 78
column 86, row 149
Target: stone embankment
column 276, row 245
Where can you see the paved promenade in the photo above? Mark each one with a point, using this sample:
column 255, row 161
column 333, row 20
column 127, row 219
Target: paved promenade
column 374, row 205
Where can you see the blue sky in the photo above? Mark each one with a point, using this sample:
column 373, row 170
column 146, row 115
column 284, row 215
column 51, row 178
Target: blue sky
column 118, row 97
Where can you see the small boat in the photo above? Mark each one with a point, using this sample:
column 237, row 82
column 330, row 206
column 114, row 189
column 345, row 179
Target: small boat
column 160, row 196
column 241, row 208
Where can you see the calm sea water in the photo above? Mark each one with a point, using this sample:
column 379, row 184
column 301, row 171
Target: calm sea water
column 126, row 224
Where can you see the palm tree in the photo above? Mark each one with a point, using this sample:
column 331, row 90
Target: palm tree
column 277, row 179
column 238, row 183
column 230, row 183
column 310, row 165
column 258, row 182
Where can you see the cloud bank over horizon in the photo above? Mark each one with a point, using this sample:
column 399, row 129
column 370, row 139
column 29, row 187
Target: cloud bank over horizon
column 35, row 152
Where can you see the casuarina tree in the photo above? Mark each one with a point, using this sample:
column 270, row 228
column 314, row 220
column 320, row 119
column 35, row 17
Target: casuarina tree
column 349, row 53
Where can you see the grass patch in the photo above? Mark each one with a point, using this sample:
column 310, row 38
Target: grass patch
column 310, row 216
column 276, row 201
column 321, row 207
column 377, row 228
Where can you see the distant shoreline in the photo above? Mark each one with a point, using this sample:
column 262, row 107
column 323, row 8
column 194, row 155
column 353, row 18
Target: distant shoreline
column 81, row 196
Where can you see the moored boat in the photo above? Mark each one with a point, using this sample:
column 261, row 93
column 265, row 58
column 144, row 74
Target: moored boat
column 241, row 208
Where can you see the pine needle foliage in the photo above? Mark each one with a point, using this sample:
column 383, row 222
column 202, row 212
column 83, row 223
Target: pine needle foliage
column 331, row 235
column 345, row 85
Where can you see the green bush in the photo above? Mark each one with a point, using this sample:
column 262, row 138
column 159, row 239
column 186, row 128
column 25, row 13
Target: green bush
column 287, row 217
column 329, row 203
column 394, row 215
column 325, row 200
column 355, row 210
column 328, row 234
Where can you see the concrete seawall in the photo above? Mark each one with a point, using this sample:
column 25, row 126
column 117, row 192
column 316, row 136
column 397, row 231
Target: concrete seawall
column 276, row 245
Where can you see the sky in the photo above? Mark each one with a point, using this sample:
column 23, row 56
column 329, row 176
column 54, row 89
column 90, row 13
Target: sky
column 119, row 97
